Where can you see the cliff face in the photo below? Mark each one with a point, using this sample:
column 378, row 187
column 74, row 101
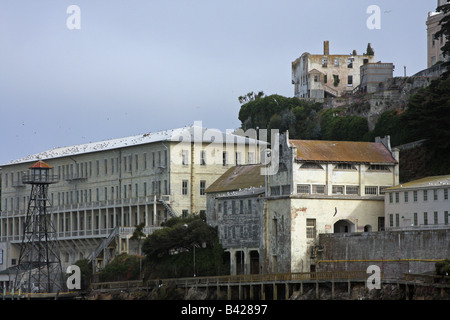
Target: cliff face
column 391, row 95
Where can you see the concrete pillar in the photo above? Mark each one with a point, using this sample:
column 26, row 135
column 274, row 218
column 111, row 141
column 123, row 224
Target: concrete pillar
column 275, row 291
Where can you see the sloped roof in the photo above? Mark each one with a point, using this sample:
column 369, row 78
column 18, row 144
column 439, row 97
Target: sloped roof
column 427, row 182
column 239, row 177
column 41, row 164
column 342, row 151
column 186, row 134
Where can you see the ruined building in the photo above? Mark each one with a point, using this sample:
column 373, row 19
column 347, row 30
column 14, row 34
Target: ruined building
column 319, row 76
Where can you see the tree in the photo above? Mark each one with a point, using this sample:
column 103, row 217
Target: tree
column 369, row 50
column 138, row 235
column 445, row 31
column 300, row 117
column 170, row 251
column 251, row 96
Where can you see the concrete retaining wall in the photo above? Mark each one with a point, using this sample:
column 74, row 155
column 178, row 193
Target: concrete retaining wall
column 395, row 252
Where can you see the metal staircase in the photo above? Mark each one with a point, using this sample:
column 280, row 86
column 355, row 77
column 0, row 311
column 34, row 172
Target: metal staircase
column 105, row 243
column 171, row 211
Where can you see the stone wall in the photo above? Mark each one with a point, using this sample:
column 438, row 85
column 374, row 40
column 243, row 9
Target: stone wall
column 395, row 252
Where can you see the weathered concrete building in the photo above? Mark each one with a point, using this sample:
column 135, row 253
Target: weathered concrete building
column 318, row 76
column 418, row 204
column 373, row 74
column 235, row 204
column 323, row 187
column 434, row 52
column 107, row 188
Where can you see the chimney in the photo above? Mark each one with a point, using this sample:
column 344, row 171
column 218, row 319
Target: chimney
column 326, row 48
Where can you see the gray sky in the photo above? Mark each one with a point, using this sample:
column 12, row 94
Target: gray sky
column 137, row 66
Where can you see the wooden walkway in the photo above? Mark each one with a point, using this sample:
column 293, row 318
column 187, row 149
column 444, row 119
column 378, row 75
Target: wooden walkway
column 244, row 287
column 273, row 286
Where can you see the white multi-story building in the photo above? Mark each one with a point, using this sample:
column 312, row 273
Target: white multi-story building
column 422, row 203
column 107, row 188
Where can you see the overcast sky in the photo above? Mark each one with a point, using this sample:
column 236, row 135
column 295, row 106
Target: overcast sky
column 138, row 66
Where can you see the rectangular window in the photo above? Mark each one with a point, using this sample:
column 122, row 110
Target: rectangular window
column 397, row 219
column 354, row 190
column 391, row 197
column 350, row 62
column 233, row 207
column 445, row 194
column 275, row 191
column 202, row 187
column 318, row 189
column 435, row 194
column 338, row 189
column 415, row 196
column 446, row 217
column 145, row 160
column 391, row 220
column 184, row 157
column 225, row 207
column 370, row 190
column 416, row 222
column 435, row 217
column 241, row 206
column 336, row 62
column 238, row 158
column 251, row 158
column 324, row 63
column 249, row 204
column 425, row 195
column 202, row 157
column 405, row 196
column 224, row 158
column 310, row 228
column 303, row 189
column 184, row 187
column 425, row 218
column 350, row 81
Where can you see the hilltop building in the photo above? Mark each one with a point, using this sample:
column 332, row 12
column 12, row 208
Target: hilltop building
column 107, row 188
column 319, row 76
column 434, row 52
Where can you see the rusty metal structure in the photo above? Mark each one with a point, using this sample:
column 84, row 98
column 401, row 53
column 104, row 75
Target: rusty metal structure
column 39, row 267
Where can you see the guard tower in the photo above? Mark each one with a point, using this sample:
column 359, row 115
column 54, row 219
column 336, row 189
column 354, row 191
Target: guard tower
column 39, row 266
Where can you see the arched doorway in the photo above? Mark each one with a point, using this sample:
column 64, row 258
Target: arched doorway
column 344, row 226
column 367, row 228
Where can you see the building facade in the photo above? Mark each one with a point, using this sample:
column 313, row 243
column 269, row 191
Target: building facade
column 434, row 52
column 372, row 74
column 318, row 76
column 323, row 187
column 235, row 204
column 107, row 188
column 418, row 204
